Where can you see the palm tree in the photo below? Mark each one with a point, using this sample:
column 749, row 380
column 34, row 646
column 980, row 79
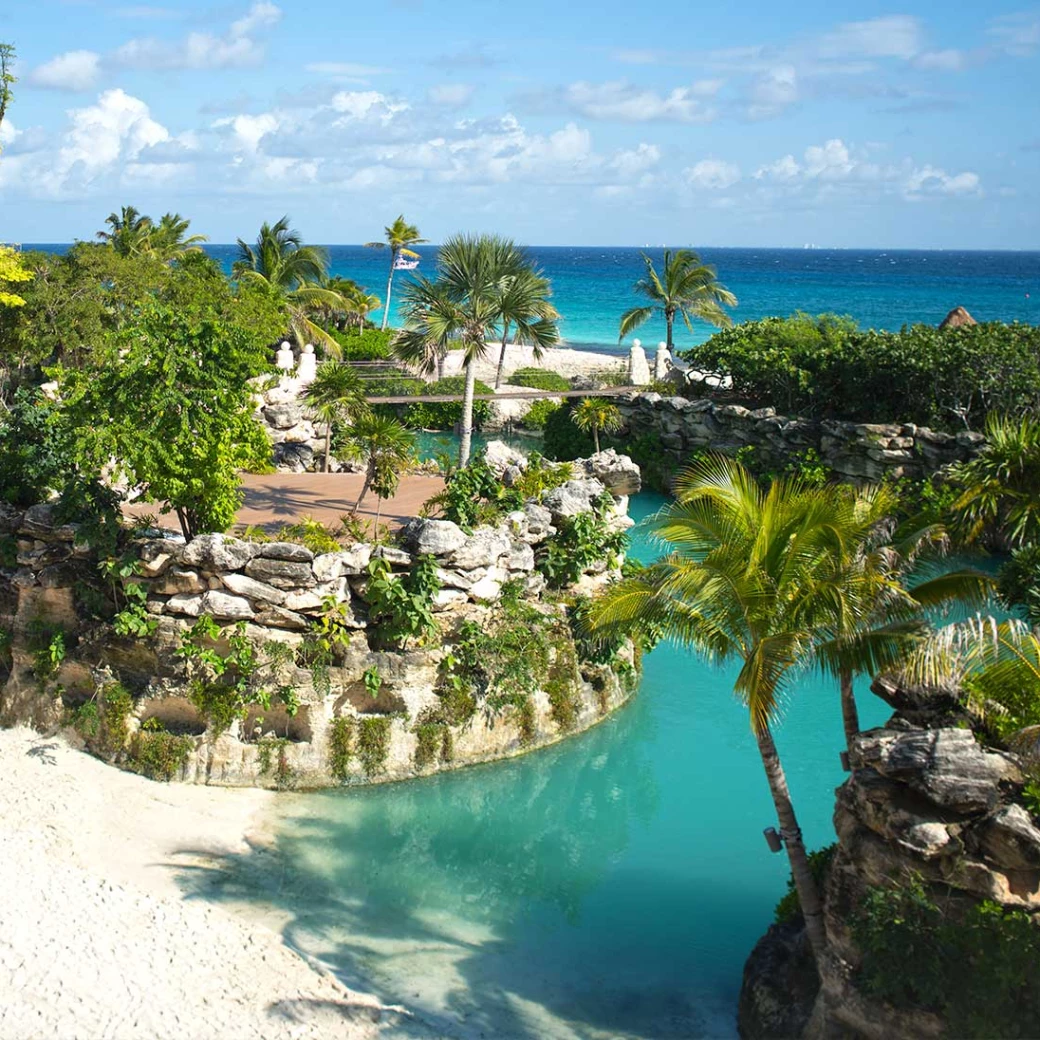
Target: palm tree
column 358, row 304
column 464, row 305
column 595, row 414
column 689, row 288
column 336, row 393
column 296, row 272
column 130, row 233
column 524, row 299
column 399, row 236
column 170, row 238
column 388, row 447
column 750, row 577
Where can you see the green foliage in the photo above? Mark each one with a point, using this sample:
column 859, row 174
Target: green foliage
column 1020, row 582
column 563, row 440
column 369, row 345
column 825, row 367
column 157, row 754
column 473, row 495
column 342, row 733
column 433, row 740
column 538, row 476
column 596, row 415
column 561, row 686
column 448, row 414
column 789, row 909
column 36, row 449
column 806, row 466
column 47, row 645
column 134, row 620
column 539, row 379
column 271, row 755
column 400, row 608
column 976, row 968
column 536, row 417
column 657, row 465
column 579, row 542
column 373, row 681
column 311, row 533
column 102, row 721
column 372, row 743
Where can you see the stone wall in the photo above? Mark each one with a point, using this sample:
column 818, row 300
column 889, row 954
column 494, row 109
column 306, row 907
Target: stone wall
column 856, row 451
column 278, row 592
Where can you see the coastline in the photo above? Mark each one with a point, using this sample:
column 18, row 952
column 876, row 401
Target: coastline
column 98, row 937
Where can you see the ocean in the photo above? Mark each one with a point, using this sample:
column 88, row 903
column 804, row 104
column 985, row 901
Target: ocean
column 592, row 286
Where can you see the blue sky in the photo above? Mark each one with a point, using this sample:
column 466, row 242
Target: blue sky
column 557, row 123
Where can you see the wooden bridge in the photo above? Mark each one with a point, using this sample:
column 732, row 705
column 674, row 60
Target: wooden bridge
column 510, row 395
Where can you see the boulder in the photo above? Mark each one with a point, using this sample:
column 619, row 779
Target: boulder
column 956, row 318
column 572, row 498
column 177, row 580
column 437, row 537
column 538, row 523
column 355, row 560
column 274, row 616
column 617, row 473
column 296, row 458
column 499, row 456
column 217, row 552
column 223, row 606
column 39, row 519
column 328, row 566
column 185, row 603
column 243, row 585
column 445, row 599
column 487, row 590
column 520, row 558
column 1011, row 839
column 283, row 416
column 780, row 985
column 286, row 551
column 282, row 574
column 484, row 548
column 395, row 557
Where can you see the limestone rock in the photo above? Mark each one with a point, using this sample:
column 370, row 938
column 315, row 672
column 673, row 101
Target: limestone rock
column 617, row 473
column 39, row 519
column 286, row 551
column 780, row 985
column 521, row 557
column 282, row 574
column 572, row 498
column 487, row 590
column 445, row 599
column 296, row 458
column 223, row 606
column 217, row 552
column 1011, row 838
column 243, row 585
column 283, row 416
column 395, row 557
column 484, row 548
column 328, row 566
column 539, row 523
column 176, row 581
column 185, row 603
column 276, row 616
column 355, row 560
column 438, row 537
column 499, row 456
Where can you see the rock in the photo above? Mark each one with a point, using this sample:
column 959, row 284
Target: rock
column 520, row 558
column 459, row 579
column 275, row 616
column 395, row 557
column 243, row 585
column 945, row 765
column 296, row 458
column 1011, row 839
column 39, row 519
column 539, row 523
column 780, row 985
column 617, row 473
column 185, row 603
column 177, row 581
column 499, row 456
column 572, row 498
column 487, row 590
column 282, row 574
column 226, row 607
column 437, row 537
column 956, row 318
column 286, row 551
column 152, row 568
column 217, row 552
column 355, row 560
column 283, row 416
column 445, row 599
column 328, row 566
column 484, row 548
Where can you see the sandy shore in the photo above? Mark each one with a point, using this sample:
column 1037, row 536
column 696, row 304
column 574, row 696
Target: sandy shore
column 567, row 361
column 97, row 939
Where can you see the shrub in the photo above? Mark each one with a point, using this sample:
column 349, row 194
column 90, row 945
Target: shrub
column 312, row 534
column 342, row 735
column 373, row 743
column 538, row 414
column 539, row 379
column 579, row 542
column 563, row 440
column 448, row 414
column 369, row 345
column 157, row 754
column 401, row 608
column 789, row 909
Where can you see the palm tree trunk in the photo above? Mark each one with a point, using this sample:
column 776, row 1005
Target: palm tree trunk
column 669, row 317
column 595, row 437
column 502, row 356
column 804, row 882
column 849, row 714
column 389, row 283
column 328, row 446
column 440, row 365
column 466, row 432
column 364, row 489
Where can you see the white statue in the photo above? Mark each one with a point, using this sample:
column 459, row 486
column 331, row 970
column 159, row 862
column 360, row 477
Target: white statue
column 662, row 362
column 285, row 358
column 638, row 369
column 308, row 366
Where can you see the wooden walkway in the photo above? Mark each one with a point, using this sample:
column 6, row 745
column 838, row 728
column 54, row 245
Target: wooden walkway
column 511, row 395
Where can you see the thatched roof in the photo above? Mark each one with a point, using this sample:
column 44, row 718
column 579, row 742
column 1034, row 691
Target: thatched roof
column 957, row 317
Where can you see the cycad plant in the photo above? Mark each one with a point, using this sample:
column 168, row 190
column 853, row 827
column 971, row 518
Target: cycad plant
column 295, row 272
column 388, row 447
column 400, row 236
column 336, row 394
column 595, row 414
column 686, row 288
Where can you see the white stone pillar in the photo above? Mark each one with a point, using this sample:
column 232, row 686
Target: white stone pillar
column 284, row 358
column 308, row 366
column 662, row 362
column 638, row 369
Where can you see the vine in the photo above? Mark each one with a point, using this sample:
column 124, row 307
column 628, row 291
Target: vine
column 373, row 743
column 342, row 734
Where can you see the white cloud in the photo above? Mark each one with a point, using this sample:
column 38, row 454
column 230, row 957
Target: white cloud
column 785, row 169
column 73, row 70
column 631, row 162
column 931, row 181
column 631, row 104
column 892, row 36
column 8, row 132
column 237, row 48
column 830, row 161
column 944, row 61
column 713, row 174
column 249, row 130
column 365, row 104
column 451, row 95
column 1017, row 34
column 773, row 91
column 344, row 69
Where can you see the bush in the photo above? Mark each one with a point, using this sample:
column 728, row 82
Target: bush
column 825, row 367
column 448, row 414
column 538, row 414
column 563, row 441
column 370, row 345
column 539, row 379
column 789, row 909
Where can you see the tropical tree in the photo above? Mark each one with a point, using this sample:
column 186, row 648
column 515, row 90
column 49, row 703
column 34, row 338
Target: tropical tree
column 388, row 447
column 463, row 306
column 524, row 299
column 130, row 232
column 170, row 239
column 6, row 77
column 358, row 303
column 595, row 414
column 296, row 272
column 336, row 394
column 751, row 576
column 12, row 271
column 400, row 235
column 688, row 288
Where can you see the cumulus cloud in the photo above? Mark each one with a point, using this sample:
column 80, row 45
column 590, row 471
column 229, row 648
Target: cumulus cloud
column 73, row 70
column 773, row 91
column 712, row 174
column 365, row 104
column 931, row 181
column 628, row 103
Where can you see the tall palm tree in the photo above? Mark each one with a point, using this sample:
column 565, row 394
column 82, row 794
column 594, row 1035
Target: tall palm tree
column 130, row 231
column 358, row 304
column 296, row 272
column 688, row 288
column 400, row 235
column 170, row 238
column 595, row 414
column 464, row 306
column 750, row 577
column 525, row 297
column 336, row 394
column 388, row 447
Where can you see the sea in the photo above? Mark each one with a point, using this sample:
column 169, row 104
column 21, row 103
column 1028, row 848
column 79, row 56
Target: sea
column 592, row 286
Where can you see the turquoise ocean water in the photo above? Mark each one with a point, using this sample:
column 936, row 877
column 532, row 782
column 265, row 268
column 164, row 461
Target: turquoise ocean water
column 609, row 886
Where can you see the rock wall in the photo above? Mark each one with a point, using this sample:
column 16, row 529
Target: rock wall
column 924, row 797
column 278, row 593
column 857, row 451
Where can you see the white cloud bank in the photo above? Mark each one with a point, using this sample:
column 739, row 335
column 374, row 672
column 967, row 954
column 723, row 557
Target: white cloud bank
column 73, row 70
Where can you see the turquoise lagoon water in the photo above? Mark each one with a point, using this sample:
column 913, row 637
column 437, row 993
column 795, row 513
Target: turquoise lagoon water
column 609, row 886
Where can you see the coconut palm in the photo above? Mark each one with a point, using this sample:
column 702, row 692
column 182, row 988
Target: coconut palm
column 358, row 304
column 170, row 239
column 296, row 272
column 336, row 394
column 400, row 235
column 130, row 232
column 750, row 577
column 688, row 288
column 388, row 447
column 524, row 299
column 595, row 414
column 463, row 306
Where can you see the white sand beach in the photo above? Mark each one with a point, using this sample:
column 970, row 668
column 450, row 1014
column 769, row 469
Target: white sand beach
column 97, row 939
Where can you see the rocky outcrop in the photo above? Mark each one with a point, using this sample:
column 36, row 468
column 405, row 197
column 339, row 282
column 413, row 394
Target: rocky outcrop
column 855, row 451
column 956, row 318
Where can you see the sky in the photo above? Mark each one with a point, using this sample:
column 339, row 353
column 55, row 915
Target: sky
column 557, row 123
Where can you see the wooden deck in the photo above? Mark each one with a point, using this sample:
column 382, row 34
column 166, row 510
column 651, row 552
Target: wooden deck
column 511, row 395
